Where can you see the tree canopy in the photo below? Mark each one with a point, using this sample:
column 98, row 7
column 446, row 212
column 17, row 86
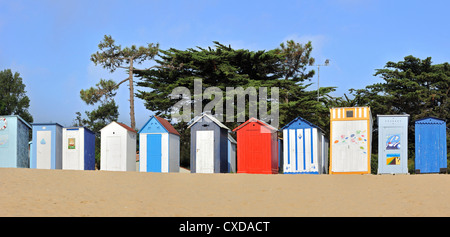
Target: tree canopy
column 221, row 66
column 413, row 86
column 13, row 98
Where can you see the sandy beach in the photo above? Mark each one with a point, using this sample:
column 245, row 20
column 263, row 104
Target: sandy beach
column 71, row 193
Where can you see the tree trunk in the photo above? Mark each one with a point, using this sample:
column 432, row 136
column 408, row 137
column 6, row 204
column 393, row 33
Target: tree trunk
column 286, row 99
column 133, row 122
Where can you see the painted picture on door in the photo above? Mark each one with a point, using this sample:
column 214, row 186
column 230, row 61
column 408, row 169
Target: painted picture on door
column 71, row 143
column 357, row 138
column 393, row 142
column 393, row 159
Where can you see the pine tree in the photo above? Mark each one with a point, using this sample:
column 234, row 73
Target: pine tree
column 111, row 56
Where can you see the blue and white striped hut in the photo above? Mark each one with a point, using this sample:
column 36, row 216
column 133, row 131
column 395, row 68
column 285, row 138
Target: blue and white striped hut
column 305, row 148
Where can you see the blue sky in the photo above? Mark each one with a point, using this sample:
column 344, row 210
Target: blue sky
column 49, row 42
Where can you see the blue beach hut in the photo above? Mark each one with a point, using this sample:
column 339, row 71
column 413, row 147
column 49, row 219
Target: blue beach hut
column 159, row 146
column 430, row 146
column 14, row 138
column 46, row 146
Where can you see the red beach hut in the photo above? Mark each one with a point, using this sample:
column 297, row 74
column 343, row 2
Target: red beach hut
column 257, row 148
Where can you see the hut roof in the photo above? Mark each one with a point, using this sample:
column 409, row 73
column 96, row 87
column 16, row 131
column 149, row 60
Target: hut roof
column 169, row 128
column 257, row 121
column 195, row 120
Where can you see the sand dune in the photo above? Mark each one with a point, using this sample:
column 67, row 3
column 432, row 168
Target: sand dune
column 34, row 192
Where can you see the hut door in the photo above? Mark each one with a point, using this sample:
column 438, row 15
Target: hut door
column 293, row 142
column 43, row 150
column 154, row 153
column 113, row 153
column 256, row 157
column 350, row 146
column 72, row 150
column 205, row 152
column 392, row 162
column 429, row 150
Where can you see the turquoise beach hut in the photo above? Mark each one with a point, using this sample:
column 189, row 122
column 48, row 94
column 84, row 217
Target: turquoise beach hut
column 14, row 138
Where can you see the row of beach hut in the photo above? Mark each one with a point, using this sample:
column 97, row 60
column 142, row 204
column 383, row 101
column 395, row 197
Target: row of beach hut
column 351, row 134
column 302, row 149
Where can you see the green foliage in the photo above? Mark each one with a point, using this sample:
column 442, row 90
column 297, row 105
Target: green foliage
column 221, row 67
column 374, row 163
column 185, row 141
column 411, row 166
column 106, row 112
column 13, row 98
column 295, row 59
column 111, row 56
column 104, row 91
column 412, row 86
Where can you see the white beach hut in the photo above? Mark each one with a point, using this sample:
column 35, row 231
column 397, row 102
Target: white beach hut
column 393, row 144
column 117, row 147
column 78, row 149
column 350, row 138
